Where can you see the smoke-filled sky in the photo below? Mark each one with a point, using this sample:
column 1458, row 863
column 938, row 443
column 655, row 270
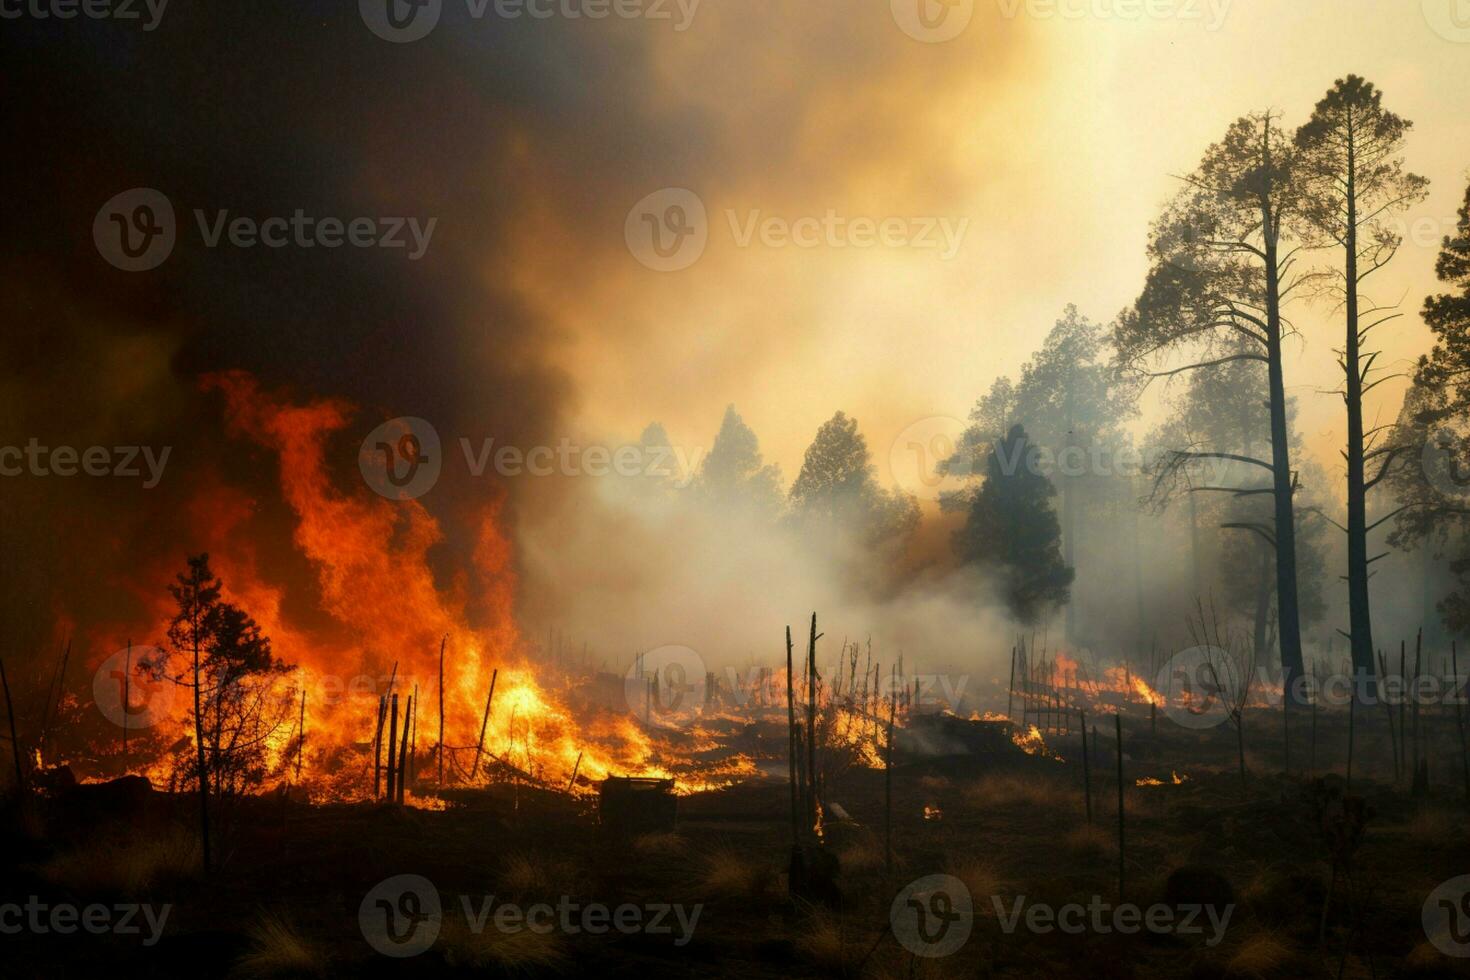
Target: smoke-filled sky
column 1015, row 168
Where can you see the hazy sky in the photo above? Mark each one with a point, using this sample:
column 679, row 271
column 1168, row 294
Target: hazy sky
column 1054, row 137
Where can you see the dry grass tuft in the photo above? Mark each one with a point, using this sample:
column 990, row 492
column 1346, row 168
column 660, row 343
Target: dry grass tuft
column 731, row 875
column 861, row 854
column 821, row 943
column 521, row 951
column 983, row 881
column 1001, row 789
column 1260, row 955
column 1433, row 825
column 659, row 845
column 1089, row 841
column 278, row 950
column 126, row 866
column 536, row 875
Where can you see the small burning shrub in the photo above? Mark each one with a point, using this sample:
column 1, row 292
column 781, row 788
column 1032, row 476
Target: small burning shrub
column 278, row 950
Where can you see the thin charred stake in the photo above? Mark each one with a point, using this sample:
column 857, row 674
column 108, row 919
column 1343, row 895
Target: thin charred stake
column 403, row 750
column 811, row 727
column 392, row 747
column 1118, row 723
column 1460, row 717
column 1388, row 710
column 301, row 732
column 1011, row 689
column 573, row 781
column 378, row 747
column 888, row 798
column 1086, row 766
column 792, row 745
column 20, row 779
column 480, row 745
column 127, row 695
column 440, row 753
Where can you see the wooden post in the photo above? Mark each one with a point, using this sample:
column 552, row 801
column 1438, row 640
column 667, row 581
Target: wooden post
column 127, row 696
column 480, row 745
column 1011, row 689
column 573, row 781
column 811, row 726
column 1393, row 739
column 888, row 798
column 410, row 764
column 1415, row 784
column 1086, row 766
column 793, row 747
column 1460, row 687
column 403, row 750
column 1352, row 712
column 392, row 748
column 20, row 779
column 1118, row 723
column 301, row 729
column 443, row 641
column 378, row 747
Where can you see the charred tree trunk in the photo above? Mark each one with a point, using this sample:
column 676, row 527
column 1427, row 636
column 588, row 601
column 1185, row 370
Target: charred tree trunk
column 1359, row 612
column 1288, row 608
